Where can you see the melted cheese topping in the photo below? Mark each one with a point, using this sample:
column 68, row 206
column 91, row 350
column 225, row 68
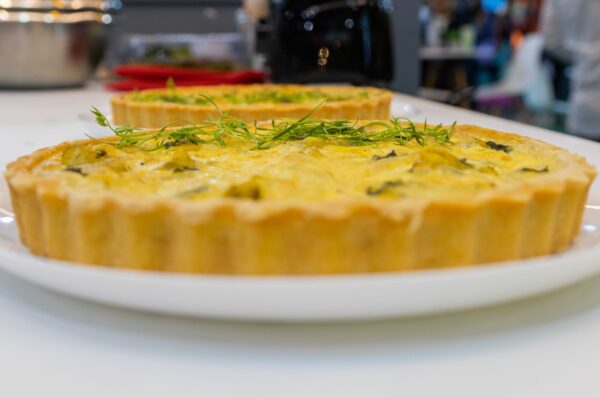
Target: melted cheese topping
column 310, row 170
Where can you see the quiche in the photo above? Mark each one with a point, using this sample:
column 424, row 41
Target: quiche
column 157, row 108
column 297, row 197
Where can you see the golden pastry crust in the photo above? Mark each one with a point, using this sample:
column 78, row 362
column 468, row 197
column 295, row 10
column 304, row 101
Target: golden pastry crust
column 218, row 235
column 361, row 103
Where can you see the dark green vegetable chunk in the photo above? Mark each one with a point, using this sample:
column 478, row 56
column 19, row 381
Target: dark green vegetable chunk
column 498, row 147
column 383, row 188
column 100, row 153
column 77, row 170
column 195, row 191
column 391, row 154
column 531, row 170
column 185, row 168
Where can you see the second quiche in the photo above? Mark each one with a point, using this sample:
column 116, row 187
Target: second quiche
column 157, row 108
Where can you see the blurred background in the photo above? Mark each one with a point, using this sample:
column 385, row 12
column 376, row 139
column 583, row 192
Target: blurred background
column 486, row 55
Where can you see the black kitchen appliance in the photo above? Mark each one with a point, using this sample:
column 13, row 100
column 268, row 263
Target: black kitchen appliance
column 317, row 41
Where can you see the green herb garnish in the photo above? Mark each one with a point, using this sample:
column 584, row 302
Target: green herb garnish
column 340, row 132
column 170, row 83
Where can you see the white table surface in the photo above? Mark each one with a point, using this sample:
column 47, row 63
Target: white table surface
column 53, row 346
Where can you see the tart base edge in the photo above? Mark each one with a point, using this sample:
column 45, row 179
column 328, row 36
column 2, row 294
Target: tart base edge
column 290, row 242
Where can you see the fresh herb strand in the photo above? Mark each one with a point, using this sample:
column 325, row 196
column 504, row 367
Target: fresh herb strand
column 341, row 132
column 170, row 83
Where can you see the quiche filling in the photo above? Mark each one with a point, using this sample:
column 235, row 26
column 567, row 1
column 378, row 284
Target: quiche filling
column 306, row 160
column 251, row 95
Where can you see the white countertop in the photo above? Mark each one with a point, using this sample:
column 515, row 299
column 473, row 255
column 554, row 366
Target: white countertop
column 51, row 345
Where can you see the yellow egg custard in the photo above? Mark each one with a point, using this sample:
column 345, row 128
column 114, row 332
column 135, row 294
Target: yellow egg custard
column 157, row 108
column 305, row 196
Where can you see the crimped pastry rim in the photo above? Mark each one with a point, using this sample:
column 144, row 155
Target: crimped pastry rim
column 498, row 266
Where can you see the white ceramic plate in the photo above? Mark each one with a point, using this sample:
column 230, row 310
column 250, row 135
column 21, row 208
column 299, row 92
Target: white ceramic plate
column 308, row 298
column 317, row 298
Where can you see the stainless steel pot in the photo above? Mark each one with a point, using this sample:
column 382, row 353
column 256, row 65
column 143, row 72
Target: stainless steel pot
column 46, row 44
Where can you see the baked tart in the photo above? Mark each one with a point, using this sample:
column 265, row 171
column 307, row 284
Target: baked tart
column 157, row 108
column 305, row 196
